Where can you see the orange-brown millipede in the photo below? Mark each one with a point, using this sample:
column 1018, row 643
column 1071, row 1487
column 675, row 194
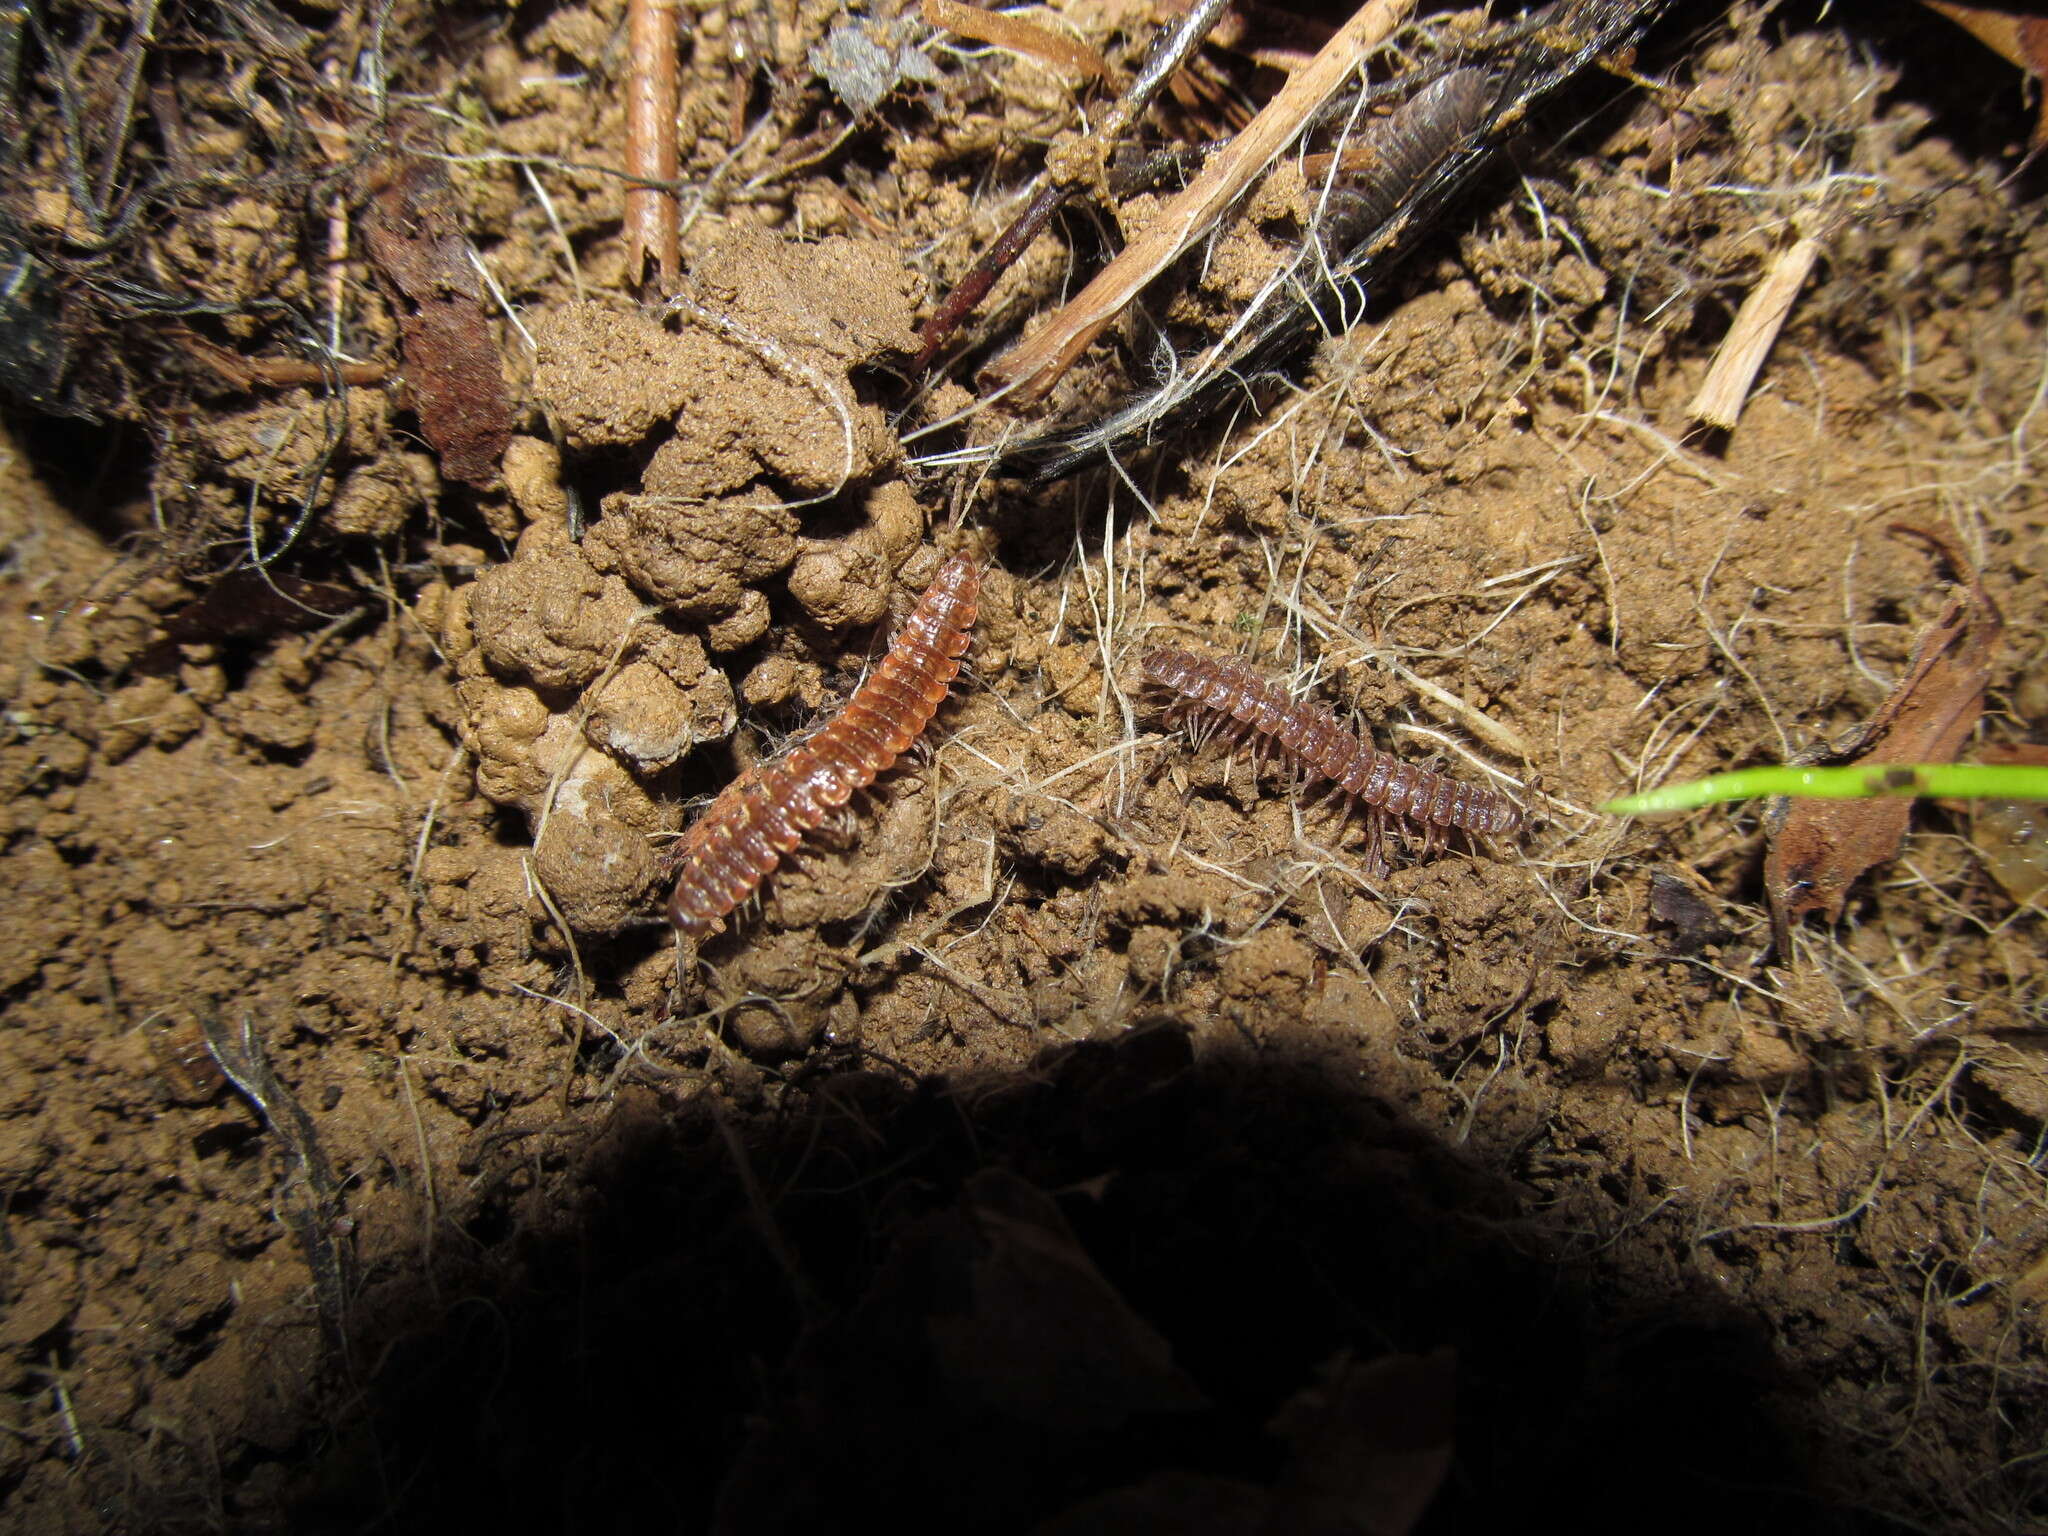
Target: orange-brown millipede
column 1235, row 690
column 765, row 813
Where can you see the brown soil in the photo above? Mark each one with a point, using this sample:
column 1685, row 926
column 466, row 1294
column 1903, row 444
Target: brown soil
column 1083, row 1136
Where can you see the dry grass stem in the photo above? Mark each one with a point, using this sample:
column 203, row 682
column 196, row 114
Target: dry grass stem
column 1035, row 365
column 1742, row 351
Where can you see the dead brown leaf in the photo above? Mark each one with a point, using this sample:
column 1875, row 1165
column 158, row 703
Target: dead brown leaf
column 1371, row 1445
column 1820, row 847
column 451, row 359
column 2022, row 39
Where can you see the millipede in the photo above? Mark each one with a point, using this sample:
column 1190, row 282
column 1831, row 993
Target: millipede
column 764, row 813
column 1232, row 690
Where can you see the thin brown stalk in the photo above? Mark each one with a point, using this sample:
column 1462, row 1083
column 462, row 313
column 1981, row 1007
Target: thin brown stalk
column 653, row 217
column 241, row 372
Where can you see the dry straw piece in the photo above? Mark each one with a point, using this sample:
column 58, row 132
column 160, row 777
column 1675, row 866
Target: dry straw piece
column 1000, row 30
column 1734, row 369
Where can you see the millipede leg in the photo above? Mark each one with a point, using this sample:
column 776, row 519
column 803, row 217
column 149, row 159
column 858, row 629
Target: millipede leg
column 767, row 810
column 1228, row 697
column 1375, row 843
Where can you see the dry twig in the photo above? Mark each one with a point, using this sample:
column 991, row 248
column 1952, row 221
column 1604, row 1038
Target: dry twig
column 1170, row 50
column 1036, row 364
column 653, row 218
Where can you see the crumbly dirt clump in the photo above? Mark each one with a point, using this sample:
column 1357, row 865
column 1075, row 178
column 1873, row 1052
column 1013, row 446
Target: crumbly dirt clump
column 1085, row 1131
column 582, row 665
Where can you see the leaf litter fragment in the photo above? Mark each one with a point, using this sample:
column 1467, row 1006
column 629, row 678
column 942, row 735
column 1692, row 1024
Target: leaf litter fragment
column 1820, row 847
column 451, row 359
column 2006, row 31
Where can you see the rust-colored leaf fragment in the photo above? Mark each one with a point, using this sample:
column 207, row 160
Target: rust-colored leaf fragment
column 1820, row 847
column 2022, row 39
column 451, row 360
column 247, row 604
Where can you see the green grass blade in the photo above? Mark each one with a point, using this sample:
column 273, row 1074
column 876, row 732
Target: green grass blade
column 1865, row 781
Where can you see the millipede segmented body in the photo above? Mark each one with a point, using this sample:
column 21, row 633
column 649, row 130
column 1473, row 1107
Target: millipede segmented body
column 764, row 814
column 1235, row 690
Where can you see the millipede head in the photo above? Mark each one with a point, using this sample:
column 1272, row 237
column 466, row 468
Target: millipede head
column 1168, row 667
